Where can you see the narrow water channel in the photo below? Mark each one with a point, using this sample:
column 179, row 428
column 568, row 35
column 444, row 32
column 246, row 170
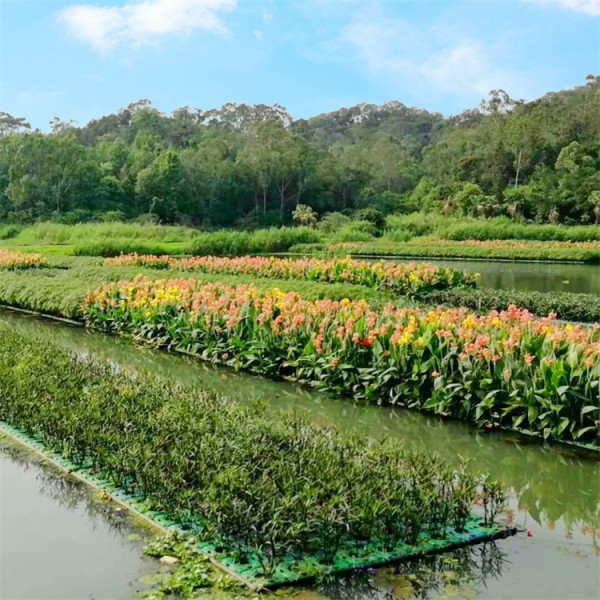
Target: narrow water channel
column 58, row 540
column 554, row 490
column 527, row 276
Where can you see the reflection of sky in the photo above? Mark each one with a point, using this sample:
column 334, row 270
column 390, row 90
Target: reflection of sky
column 56, row 541
column 555, row 491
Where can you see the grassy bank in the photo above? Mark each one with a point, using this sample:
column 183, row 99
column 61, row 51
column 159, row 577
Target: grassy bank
column 584, row 252
column 497, row 370
column 272, row 489
column 416, row 235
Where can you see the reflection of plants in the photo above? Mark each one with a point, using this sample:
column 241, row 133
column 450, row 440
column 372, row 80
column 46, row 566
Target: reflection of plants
column 493, row 499
column 69, row 493
column 465, row 569
column 267, row 484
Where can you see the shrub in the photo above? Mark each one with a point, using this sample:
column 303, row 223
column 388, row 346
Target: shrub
column 355, row 231
column 331, row 222
column 374, row 216
column 9, row 231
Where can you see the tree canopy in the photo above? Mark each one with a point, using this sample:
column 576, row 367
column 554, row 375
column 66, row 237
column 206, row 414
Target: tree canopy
column 244, row 165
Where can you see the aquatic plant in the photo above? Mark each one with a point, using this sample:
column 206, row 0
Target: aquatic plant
column 259, row 485
column 501, row 369
column 404, row 278
column 10, row 259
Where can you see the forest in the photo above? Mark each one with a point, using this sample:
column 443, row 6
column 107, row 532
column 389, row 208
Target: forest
column 250, row 166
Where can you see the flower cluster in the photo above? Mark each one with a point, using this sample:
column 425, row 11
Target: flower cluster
column 505, row 368
column 405, row 278
column 10, row 259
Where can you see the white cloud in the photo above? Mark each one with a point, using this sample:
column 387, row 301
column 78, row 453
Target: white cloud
column 104, row 27
column 455, row 66
column 588, row 7
column 258, row 34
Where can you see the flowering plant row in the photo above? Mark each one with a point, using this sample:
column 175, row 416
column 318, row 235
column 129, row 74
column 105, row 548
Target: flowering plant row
column 504, row 368
column 10, row 259
column 405, row 278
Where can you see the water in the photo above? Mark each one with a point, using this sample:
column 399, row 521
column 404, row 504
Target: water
column 57, row 540
column 554, row 491
column 528, row 276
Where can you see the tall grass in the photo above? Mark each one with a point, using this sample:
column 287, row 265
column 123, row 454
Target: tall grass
column 57, row 233
column 500, row 228
column 262, row 241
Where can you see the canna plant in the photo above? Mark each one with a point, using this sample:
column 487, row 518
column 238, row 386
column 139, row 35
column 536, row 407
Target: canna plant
column 501, row 369
column 404, row 278
column 12, row 260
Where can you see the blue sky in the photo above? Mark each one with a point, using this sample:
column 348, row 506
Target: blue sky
column 81, row 60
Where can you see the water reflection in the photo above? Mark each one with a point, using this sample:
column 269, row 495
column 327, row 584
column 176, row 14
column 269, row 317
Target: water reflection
column 72, row 494
column 60, row 541
column 528, row 276
column 467, row 570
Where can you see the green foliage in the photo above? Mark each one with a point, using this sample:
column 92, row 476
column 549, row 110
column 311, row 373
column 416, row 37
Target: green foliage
column 482, row 376
column 9, row 231
column 373, row 216
column 355, row 231
column 260, row 485
column 262, row 241
column 504, row 229
column 305, row 215
column 54, row 233
column 254, row 164
column 116, row 246
column 332, row 222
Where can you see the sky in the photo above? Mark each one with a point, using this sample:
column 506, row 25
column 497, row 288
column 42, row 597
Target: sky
column 85, row 59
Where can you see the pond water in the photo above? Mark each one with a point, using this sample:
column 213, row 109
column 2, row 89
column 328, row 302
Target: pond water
column 528, row 276
column 554, row 490
column 57, row 540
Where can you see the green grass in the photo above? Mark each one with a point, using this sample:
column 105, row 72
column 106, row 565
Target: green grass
column 262, row 241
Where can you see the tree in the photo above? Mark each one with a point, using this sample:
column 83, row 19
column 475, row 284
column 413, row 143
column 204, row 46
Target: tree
column 10, row 125
column 305, row 215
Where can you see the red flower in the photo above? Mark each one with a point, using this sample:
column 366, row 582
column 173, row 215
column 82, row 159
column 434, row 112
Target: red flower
column 366, row 342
